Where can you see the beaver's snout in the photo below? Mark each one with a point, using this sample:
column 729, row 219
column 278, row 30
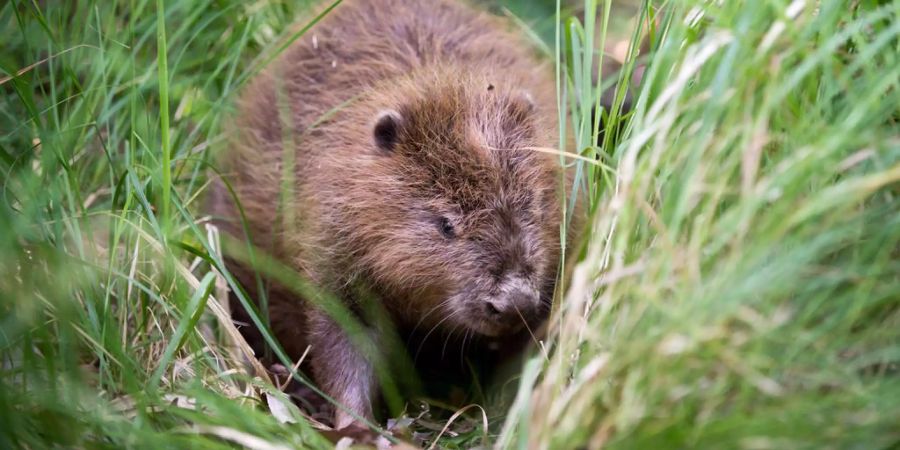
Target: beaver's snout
column 515, row 304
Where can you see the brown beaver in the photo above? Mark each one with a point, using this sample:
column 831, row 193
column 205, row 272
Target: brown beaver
column 407, row 128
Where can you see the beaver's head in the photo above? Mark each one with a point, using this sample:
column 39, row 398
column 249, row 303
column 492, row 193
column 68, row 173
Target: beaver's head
column 452, row 212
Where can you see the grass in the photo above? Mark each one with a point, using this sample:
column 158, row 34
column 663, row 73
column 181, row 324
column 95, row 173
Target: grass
column 739, row 287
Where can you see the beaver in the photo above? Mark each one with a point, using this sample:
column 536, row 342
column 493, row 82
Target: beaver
column 393, row 147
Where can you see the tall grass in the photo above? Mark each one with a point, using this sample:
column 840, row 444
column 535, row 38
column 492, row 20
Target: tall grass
column 741, row 283
column 738, row 287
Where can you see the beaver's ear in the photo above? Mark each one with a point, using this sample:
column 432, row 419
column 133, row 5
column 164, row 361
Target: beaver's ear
column 386, row 132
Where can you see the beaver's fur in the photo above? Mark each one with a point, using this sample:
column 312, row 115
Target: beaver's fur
column 411, row 125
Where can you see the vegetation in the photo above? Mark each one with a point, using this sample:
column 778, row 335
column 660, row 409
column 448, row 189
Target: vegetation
column 739, row 287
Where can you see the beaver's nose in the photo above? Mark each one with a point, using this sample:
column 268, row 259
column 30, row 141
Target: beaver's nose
column 497, row 308
column 516, row 302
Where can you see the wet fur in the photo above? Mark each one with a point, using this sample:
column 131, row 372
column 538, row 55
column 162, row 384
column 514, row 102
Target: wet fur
column 469, row 96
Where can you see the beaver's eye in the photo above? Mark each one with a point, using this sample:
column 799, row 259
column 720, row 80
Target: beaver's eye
column 446, row 228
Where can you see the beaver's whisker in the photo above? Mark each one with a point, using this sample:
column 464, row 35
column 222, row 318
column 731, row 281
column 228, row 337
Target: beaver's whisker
column 425, row 316
column 422, row 342
column 462, row 348
column 447, row 340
